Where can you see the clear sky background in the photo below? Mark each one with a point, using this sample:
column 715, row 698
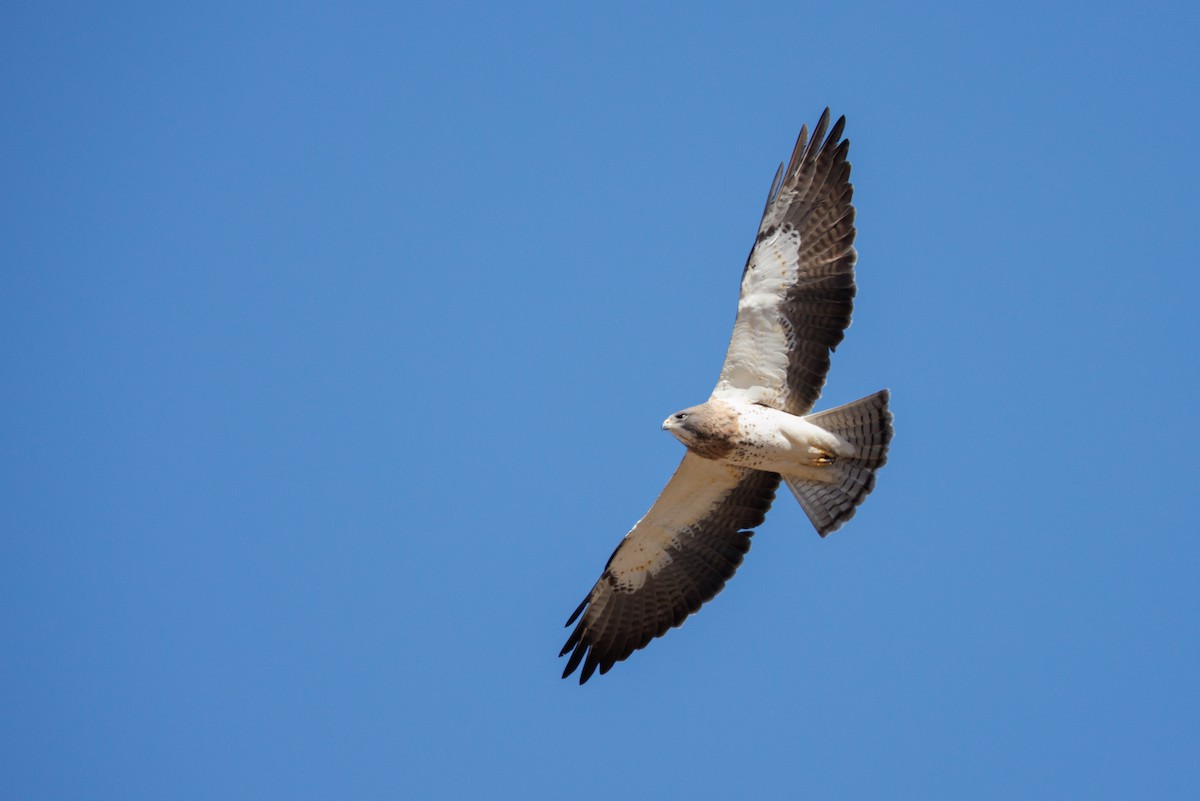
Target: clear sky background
column 336, row 339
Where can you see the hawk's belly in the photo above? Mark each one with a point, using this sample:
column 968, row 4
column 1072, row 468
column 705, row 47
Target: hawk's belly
column 769, row 439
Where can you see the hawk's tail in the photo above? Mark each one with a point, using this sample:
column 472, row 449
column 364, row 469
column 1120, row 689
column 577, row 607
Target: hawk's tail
column 867, row 425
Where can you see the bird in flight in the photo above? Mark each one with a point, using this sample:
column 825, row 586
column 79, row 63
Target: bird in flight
column 755, row 430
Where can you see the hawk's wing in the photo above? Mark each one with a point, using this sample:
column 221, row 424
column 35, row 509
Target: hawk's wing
column 677, row 557
column 798, row 285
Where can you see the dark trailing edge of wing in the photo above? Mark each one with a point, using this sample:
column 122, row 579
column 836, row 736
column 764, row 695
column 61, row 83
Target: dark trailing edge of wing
column 614, row 622
column 815, row 199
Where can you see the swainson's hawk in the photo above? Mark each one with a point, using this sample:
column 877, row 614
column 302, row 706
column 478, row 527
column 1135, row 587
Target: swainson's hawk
column 755, row 430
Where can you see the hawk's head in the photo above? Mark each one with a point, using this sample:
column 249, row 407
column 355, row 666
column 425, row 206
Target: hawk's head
column 708, row 429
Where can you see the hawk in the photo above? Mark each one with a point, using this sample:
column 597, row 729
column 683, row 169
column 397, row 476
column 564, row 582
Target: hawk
column 755, row 430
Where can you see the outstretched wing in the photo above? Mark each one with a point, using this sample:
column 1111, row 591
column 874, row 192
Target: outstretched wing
column 677, row 557
column 798, row 285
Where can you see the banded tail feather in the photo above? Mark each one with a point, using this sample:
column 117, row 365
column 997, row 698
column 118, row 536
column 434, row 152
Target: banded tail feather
column 865, row 424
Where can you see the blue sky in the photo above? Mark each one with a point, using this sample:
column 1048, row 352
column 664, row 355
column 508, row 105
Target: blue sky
column 337, row 339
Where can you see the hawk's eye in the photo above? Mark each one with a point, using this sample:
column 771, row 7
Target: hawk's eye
column 681, row 416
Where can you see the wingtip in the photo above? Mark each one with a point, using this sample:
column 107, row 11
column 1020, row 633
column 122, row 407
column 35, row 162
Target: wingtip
column 576, row 656
column 579, row 610
column 775, row 184
column 839, row 127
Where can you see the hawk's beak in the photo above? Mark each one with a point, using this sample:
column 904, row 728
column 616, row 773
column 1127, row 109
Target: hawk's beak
column 667, row 424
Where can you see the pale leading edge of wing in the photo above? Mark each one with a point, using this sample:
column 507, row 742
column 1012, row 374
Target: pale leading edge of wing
column 677, row 557
column 798, row 285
